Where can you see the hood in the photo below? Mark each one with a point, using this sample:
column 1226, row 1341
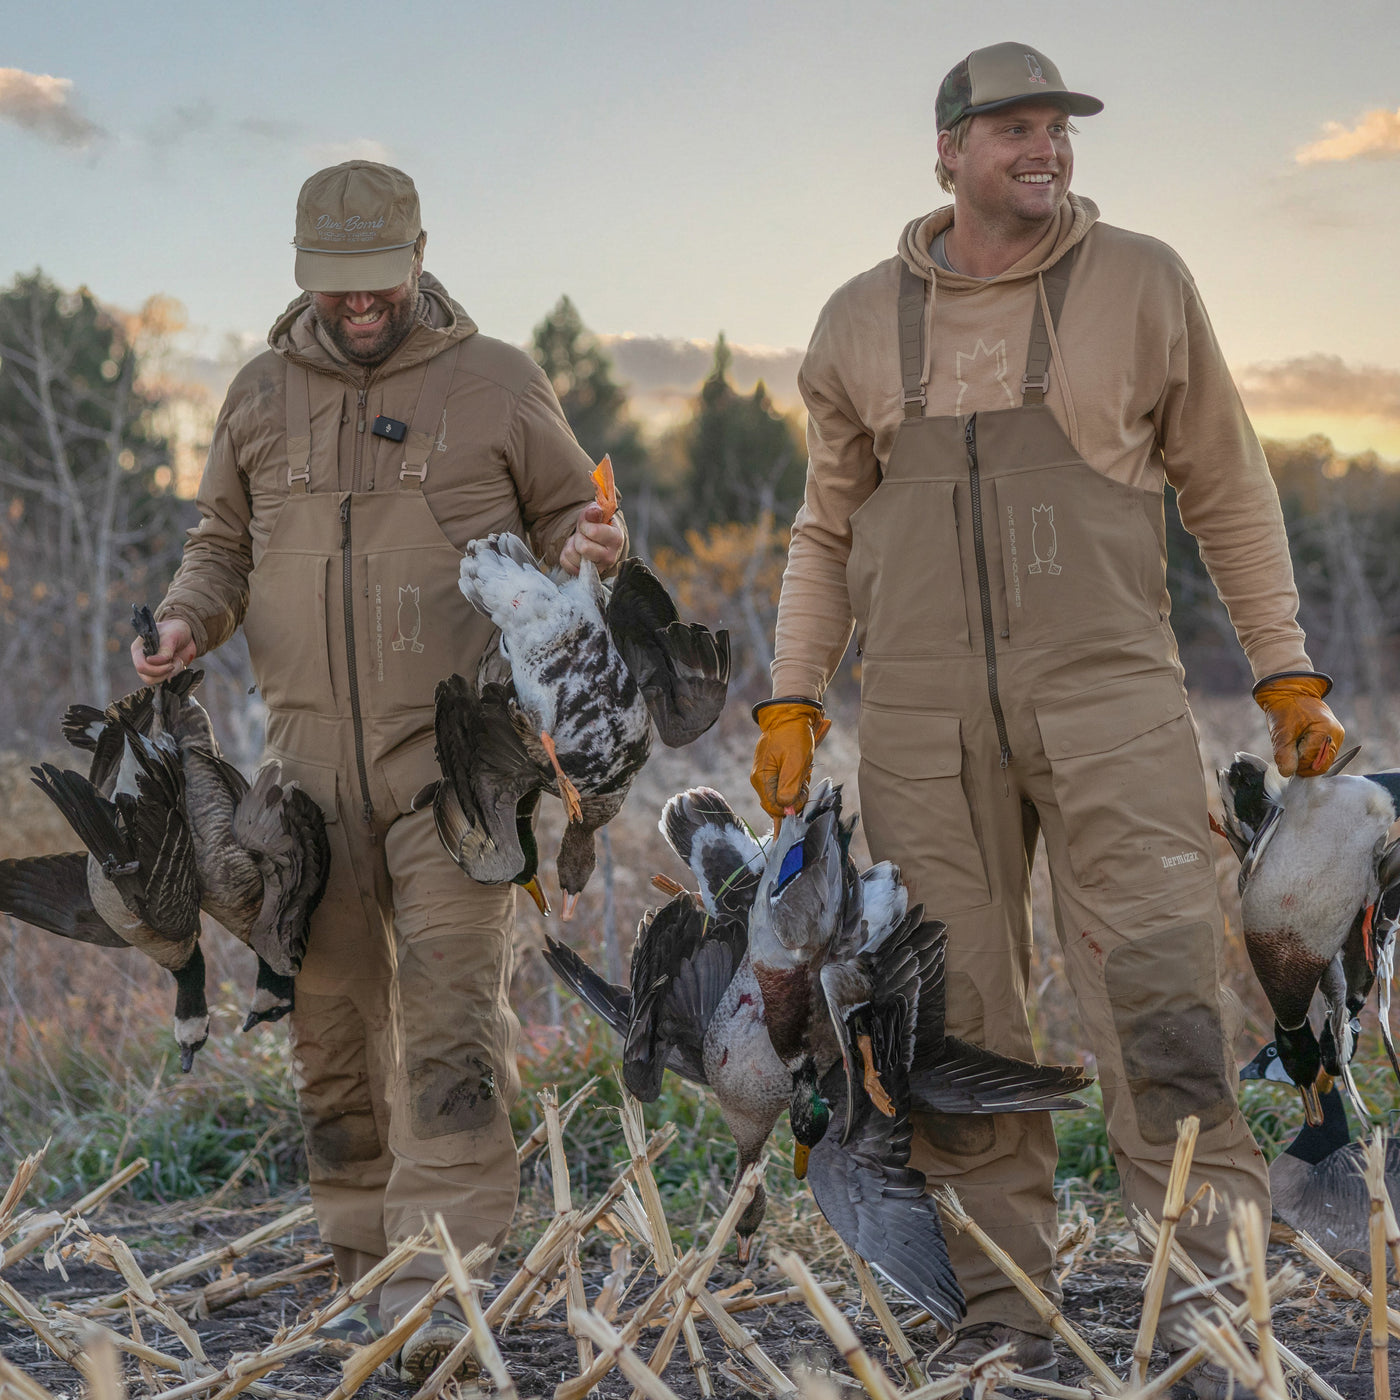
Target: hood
column 441, row 323
column 1076, row 216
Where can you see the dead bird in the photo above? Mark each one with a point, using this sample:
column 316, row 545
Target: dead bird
column 593, row 668
column 1314, row 863
column 1317, row 1181
column 136, row 878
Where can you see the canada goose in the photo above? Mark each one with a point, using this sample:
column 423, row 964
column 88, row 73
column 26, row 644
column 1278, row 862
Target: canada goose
column 1316, row 1181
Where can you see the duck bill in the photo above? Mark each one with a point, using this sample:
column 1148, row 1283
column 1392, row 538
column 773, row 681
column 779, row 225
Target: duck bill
column 566, row 911
column 535, row 890
column 800, row 1154
column 1312, row 1105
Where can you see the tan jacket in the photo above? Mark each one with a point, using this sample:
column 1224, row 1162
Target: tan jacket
column 505, row 458
column 1137, row 382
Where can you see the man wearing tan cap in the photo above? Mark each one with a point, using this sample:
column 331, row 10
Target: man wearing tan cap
column 351, row 464
column 993, row 413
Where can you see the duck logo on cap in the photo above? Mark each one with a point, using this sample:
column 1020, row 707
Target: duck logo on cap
column 1037, row 73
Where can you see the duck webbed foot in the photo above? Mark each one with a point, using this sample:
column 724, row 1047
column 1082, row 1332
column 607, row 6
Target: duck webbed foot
column 871, row 1079
column 568, row 793
column 607, row 497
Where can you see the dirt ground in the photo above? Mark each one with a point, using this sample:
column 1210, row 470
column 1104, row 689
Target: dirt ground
column 1102, row 1300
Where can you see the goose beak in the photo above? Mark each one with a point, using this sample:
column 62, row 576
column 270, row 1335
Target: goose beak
column 535, row 890
column 799, row 1160
column 570, row 904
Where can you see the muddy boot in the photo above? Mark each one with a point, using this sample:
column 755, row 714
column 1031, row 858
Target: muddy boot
column 429, row 1346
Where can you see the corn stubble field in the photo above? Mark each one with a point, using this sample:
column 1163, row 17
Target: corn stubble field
column 200, row 1273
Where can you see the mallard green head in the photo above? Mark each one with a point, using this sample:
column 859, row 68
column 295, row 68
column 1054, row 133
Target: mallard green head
column 809, row 1114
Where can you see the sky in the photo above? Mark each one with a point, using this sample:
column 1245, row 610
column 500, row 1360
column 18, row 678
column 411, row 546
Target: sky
column 680, row 168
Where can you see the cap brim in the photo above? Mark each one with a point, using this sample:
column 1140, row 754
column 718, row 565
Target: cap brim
column 352, row 272
column 1077, row 104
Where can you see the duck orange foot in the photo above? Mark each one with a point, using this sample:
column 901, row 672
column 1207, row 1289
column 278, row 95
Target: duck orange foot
column 873, row 1086
column 607, row 497
column 568, row 793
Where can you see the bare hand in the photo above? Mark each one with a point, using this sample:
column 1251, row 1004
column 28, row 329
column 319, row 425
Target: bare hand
column 594, row 538
column 177, row 650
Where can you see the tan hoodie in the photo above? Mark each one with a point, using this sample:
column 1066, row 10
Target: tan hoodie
column 1137, row 382
column 507, row 459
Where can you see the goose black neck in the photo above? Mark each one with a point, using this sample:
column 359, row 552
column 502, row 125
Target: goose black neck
column 1313, row 1145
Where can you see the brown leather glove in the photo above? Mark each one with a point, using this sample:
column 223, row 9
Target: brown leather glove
column 782, row 761
column 1305, row 733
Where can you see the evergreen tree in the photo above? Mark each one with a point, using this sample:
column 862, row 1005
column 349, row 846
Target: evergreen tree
column 745, row 457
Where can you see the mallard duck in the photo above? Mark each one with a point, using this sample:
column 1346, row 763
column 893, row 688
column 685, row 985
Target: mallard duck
column 591, row 670
column 1314, row 861
column 261, row 852
column 698, row 1012
column 137, row 878
column 1316, row 1182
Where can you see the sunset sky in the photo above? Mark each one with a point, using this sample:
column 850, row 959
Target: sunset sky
column 680, row 168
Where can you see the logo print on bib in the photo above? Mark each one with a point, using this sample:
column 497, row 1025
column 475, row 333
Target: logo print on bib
column 410, row 620
column 972, row 373
column 1043, row 540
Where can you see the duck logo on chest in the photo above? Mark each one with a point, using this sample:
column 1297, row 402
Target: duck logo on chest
column 409, row 622
column 1043, row 540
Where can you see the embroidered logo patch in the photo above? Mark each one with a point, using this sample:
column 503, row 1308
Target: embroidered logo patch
column 1037, row 74
column 1044, row 542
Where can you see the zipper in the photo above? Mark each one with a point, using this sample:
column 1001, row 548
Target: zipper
column 360, row 397
column 347, row 581
column 979, row 550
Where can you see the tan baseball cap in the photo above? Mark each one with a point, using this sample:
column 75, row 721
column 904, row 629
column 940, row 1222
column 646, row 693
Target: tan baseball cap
column 356, row 227
column 1001, row 75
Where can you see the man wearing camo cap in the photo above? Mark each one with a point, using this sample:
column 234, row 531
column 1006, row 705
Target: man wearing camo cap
column 352, row 462
column 993, row 415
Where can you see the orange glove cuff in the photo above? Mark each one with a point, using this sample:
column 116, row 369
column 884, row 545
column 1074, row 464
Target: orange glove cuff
column 1306, row 735
column 782, row 763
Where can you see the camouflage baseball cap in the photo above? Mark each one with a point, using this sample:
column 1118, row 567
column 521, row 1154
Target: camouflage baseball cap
column 356, row 227
column 1001, row 75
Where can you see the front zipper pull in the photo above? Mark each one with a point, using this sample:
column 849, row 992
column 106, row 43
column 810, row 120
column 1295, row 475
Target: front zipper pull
column 345, row 522
column 360, row 408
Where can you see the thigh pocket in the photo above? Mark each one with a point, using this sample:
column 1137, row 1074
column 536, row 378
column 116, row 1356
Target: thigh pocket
column 915, row 807
column 1126, row 771
column 286, row 627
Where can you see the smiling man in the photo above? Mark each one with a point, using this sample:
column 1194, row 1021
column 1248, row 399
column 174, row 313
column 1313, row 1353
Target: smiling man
column 993, row 414
column 352, row 462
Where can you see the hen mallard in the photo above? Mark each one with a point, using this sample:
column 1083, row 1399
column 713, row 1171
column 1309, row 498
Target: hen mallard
column 135, row 884
column 1317, row 1182
column 592, row 668
column 1315, row 868
column 261, row 852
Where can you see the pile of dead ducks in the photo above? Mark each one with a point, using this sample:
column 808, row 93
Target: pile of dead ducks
column 788, row 980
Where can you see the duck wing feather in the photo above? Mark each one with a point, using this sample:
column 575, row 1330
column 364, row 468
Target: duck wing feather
column 486, row 772
column 51, row 892
column 682, row 669
column 869, row 1194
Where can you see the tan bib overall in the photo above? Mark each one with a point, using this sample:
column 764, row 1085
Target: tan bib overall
column 1020, row 679
column 403, row 1038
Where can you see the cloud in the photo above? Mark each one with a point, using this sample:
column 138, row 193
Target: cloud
column 43, row 104
column 1374, row 137
column 1322, row 384
column 362, row 148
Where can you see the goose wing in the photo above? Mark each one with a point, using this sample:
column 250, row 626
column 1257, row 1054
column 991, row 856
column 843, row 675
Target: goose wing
column 51, row 892
column 682, row 669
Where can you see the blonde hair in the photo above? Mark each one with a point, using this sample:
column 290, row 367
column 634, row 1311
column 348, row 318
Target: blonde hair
column 959, row 133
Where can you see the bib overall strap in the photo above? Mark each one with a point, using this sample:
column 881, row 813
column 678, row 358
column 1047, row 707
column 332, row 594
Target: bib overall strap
column 298, row 429
column 1055, row 280
column 911, row 340
column 427, row 416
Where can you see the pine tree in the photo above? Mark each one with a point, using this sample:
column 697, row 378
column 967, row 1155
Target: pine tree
column 745, row 457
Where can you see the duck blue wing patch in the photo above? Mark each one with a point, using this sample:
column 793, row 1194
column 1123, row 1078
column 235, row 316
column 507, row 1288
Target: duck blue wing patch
column 792, row 865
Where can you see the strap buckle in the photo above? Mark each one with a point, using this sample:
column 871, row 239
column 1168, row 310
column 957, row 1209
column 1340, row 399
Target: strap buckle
column 1035, row 383
column 294, row 476
column 421, row 473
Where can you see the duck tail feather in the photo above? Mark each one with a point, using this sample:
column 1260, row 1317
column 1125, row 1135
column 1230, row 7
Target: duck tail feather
column 81, row 726
column 612, row 1002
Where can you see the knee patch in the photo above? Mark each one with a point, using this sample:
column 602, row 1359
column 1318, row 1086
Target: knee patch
column 334, row 1098
column 1166, row 1012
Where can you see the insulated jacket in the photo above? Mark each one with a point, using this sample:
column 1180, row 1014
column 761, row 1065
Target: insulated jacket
column 1137, row 383
column 505, row 458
